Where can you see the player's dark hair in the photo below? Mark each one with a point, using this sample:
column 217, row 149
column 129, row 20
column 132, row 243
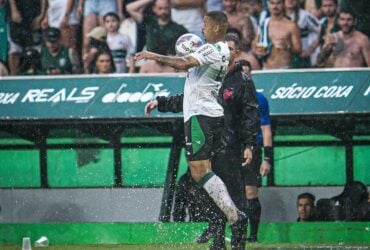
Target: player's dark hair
column 335, row 1
column 111, row 14
column 252, row 1
column 308, row 196
column 233, row 38
column 218, row 17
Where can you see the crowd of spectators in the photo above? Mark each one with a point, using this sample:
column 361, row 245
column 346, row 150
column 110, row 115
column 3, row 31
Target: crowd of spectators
column 45, row 37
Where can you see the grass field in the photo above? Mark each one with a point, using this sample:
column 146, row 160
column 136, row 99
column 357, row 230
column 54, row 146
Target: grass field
column 186, row 247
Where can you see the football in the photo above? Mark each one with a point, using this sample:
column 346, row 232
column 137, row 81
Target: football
column 187, row 43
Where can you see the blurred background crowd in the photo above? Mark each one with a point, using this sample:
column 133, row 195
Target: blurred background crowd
column 53, row 37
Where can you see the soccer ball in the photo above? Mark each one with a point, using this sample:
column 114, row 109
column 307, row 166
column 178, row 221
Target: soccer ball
column 187, row 44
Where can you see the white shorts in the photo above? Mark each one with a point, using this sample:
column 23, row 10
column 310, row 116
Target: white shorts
column 100, row 7
column 57, row 10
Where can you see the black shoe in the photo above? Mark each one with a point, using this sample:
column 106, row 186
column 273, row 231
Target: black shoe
column 238, row 232
column 215, row 246
column 205, row 236
column 252, row 239
column 218, row 244
column 218, row 235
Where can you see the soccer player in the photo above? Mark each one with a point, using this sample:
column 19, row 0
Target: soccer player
column 238, row 98
column 203, row 115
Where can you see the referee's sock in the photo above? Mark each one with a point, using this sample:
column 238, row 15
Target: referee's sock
column 216, row 189
column 254, row 215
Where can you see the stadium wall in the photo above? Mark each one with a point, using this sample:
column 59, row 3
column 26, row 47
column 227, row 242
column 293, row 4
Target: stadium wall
column 128, row 204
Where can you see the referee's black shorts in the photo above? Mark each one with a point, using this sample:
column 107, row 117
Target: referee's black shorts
column 251, row 172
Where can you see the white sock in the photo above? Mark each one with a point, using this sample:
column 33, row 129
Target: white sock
column 216, row 189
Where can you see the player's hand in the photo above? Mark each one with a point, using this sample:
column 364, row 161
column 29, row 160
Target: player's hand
column 149, row 107
column 265, row 168
column 248, row 156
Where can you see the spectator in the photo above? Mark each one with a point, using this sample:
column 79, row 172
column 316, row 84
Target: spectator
column 120, row 45
column 93, row 12
column 278, row 39
column 30, row 63
column 188, row 13
column 257, row 9
column 306, row 207
column 161, row 31
column 309, row 27
column 313, row 6
column 361, row 8
column 57, row 59
column 348, row 47
column 133, row 29
column 97, row 43
column 329, row 22
column 103, row 63
column 238, row 21
column 24, row 28
column 62, row 14
column 329, row 25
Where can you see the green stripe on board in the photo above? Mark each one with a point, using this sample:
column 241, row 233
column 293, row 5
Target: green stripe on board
column 159, row 233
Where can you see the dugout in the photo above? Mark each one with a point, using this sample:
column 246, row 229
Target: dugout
column 78, row 138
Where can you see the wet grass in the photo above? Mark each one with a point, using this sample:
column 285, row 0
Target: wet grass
column 189, row 247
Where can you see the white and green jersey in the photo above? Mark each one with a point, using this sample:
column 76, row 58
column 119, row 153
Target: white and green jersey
column 203, row 82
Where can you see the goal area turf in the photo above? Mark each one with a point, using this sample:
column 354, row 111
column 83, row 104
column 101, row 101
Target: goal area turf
column 188, row 246
column 78, row 236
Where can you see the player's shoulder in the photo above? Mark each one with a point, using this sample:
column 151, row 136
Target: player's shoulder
column 221, row 47
column 212, row 49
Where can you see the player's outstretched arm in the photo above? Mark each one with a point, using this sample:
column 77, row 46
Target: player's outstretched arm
column 180, row 63
column 165, row 104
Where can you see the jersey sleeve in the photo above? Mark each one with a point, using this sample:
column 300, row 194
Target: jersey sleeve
column 207, row 54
